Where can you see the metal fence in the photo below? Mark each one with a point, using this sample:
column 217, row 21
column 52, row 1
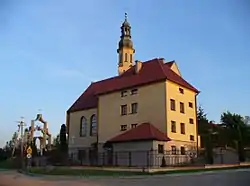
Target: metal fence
column 139, row 159
column 134, row 158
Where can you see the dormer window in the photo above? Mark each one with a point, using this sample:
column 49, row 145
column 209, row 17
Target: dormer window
column 181, row 90
column 134, row 91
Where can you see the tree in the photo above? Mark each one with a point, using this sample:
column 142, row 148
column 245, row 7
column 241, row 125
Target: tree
column 201, row 115
column 236, row 131
column 58, row 154
column 63, row 139
column 202, row 121
column 247, row 120
column 56, row 141
column 34, row 147
column 205, row 130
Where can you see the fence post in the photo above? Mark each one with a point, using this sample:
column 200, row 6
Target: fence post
column 129, row 156
column 81, row 158
column 103, row 158
column 221, row 156
column 116, row 162
column 148, row 156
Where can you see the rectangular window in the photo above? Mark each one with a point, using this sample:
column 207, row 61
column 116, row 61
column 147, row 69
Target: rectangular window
column 133, row 125
column 124, row 93
column 173, row 149
column 123, row 127
column 190, row 104
column 131, row 58
column 123, row 110
column 181, row 90
column 134, row 91
column 182, row 110
column 191, row 138
column 173, row 126
column 183, row 128
column 172, row 104
column 191, row 121
column 183, row 151
column 134, row 107
column 160, row 149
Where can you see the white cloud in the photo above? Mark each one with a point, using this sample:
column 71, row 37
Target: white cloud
column 62, row 73
column 68, row 73
column 59, row 72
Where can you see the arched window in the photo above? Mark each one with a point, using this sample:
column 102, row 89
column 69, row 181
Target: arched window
column 93, row 125
column 120, row 57
column 83, row 127
column 126, row 57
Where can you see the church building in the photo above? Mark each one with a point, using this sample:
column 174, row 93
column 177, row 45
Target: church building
column 146, row 106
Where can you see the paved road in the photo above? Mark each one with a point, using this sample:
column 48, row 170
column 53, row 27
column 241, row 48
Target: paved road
column 225, row 178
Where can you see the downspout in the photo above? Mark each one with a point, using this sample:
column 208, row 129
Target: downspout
column 166, row 108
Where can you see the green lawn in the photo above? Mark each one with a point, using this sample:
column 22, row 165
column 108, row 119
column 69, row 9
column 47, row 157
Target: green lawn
column 88, row 172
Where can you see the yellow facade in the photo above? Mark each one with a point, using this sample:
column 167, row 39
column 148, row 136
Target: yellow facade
column 153, row 106
column 75, row 140
column 186, row 97
column 150, row 100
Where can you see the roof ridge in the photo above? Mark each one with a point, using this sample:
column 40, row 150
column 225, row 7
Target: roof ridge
column 151, row 60
column 161, row 65
column 144, row 131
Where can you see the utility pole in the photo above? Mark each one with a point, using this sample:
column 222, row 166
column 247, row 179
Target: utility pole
column 21, row 125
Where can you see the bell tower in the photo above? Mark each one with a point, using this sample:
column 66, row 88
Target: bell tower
column 125, row 48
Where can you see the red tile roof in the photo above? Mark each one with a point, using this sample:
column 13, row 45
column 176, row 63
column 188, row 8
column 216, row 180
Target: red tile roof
column 169, row 64
column 152, row 71
column 144, row 131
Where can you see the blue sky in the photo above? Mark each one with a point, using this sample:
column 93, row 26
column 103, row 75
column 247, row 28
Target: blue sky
column 51, row 50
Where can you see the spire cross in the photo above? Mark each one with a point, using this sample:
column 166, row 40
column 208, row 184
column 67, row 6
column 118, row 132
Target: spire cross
column 126, row 16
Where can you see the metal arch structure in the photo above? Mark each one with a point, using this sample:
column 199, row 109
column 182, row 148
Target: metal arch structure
column 44, row 130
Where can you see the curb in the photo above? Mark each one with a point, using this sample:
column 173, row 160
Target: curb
column 175, row 173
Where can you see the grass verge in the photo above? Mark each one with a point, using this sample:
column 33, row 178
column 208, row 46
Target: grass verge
column 199, row 170
column 8, row 164
column 80, row 172
column 108, row 173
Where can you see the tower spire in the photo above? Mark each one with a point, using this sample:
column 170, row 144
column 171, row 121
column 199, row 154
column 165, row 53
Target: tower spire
column 125, row 47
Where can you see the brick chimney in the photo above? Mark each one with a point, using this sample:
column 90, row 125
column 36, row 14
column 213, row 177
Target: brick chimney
column 138, row 66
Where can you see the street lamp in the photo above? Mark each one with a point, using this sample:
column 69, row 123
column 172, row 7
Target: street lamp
column 21, row 125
